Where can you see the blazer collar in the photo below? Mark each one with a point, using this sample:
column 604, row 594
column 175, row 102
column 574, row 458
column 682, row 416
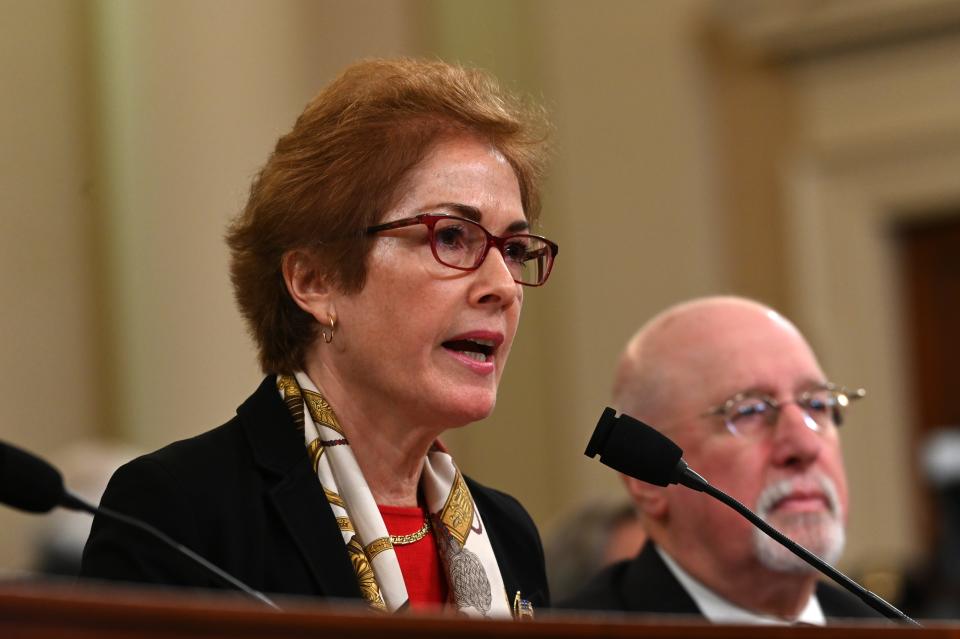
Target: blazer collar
column 649, row 586
column 511, row 584
column 294, row 490
column 276, row 442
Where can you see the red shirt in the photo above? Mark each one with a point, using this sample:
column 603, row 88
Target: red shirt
column 420, row 563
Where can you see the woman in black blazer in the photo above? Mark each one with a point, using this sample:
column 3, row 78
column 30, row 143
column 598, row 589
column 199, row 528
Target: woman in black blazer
column 380, row 264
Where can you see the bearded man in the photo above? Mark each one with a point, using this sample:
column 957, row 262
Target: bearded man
column 738, row 388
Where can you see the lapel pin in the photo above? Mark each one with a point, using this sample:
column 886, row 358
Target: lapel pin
column 522, row 608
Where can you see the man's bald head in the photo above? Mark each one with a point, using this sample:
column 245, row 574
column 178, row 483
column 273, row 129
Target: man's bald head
column 672, row 353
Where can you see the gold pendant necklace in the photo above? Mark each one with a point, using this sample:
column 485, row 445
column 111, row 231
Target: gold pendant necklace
column 402, row 540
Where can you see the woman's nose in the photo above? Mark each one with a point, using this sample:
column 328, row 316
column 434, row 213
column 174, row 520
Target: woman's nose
column 494, row 281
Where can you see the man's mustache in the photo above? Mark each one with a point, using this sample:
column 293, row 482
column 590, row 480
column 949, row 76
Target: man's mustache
column 813, row 483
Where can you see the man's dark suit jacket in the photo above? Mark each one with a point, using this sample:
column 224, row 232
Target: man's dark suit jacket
column 646, row 585
column 245, row 497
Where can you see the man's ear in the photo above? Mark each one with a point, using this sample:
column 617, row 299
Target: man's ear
column 307, row 285
column 650, row 499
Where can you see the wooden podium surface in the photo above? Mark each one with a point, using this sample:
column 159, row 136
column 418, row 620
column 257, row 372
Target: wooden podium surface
column 82, row 612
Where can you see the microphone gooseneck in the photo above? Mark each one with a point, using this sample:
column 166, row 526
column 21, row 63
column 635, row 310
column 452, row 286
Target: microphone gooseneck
column 640, row 451
column 213, row 568
column 31, row 484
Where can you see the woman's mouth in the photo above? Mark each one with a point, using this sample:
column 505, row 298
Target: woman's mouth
column 479, row 350
column 476, row 350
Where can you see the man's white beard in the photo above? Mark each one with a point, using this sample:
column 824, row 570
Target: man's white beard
column 820, row 532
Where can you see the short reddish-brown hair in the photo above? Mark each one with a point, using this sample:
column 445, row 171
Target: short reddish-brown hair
column 339, row 170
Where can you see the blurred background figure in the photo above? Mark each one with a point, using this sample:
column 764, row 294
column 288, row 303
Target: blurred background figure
column 59, row 537
column 588, row 538
column 932, row 589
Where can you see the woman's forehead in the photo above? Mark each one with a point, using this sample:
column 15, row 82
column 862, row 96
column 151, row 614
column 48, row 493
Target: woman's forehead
column 462, row 177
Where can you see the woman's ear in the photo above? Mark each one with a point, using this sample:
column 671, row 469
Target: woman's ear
column 308, row 287
column 650, row 499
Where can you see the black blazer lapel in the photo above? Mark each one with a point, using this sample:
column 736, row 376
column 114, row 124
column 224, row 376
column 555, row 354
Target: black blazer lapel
column 839, row 604
column 511, row 581
column 295, row 492
column 515, row 544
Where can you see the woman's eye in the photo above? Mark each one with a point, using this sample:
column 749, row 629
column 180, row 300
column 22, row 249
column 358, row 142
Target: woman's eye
column 516, row 251
column 450, row 237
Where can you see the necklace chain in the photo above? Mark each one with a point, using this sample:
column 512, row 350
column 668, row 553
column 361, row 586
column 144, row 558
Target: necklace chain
column 402, row 540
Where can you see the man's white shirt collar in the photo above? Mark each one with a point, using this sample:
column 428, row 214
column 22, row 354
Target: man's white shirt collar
column 718, row 610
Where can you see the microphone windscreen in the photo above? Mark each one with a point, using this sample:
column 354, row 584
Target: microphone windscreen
column 27, row 482
column 635, row 449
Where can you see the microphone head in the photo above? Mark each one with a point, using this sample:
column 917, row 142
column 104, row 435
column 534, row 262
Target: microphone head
column 635, row 449
column 27, row 482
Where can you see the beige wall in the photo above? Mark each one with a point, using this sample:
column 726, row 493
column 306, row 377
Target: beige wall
column 853, row 175
column 134, row 130
column 49, row 361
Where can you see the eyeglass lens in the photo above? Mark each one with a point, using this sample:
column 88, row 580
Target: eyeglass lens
column 463, row 244
column 752, row 414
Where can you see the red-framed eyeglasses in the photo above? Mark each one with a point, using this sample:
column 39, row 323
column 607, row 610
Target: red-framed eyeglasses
column 463, row 244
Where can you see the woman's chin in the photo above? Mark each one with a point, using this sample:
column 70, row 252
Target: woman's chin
column 468, row 408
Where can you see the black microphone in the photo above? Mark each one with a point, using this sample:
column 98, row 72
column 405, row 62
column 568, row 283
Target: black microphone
column 31, row 484
column 640, row 451
column 635, row 449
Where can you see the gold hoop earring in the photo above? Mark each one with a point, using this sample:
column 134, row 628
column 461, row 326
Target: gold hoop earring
column 328, row 337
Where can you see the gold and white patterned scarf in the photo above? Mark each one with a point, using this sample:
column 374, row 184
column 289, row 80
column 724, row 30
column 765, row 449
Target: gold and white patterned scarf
column 473, row 577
